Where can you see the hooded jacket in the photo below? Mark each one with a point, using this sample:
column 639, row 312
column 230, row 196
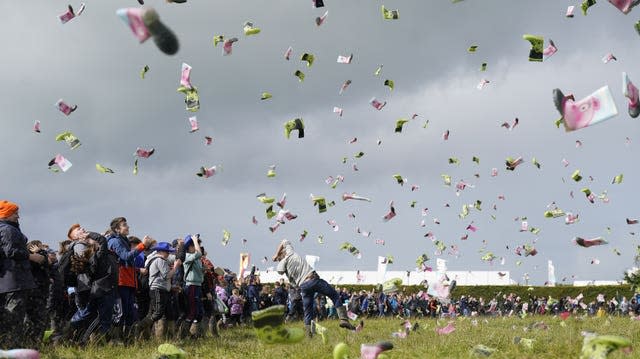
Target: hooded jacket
column 159, row 269
column 193, row 272
column 295, row 267
column 15, row 269
column 127, row 271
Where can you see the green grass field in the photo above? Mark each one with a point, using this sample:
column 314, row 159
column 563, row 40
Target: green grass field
column 558, row 341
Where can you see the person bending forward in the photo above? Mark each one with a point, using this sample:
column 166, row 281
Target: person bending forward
column 302, row 275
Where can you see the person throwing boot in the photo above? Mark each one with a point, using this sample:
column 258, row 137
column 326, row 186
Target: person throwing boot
column 303, row 276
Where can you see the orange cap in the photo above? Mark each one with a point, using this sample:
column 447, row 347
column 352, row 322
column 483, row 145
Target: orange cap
column 7, row 209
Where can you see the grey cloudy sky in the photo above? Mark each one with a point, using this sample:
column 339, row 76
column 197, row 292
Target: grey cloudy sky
column 94, row 61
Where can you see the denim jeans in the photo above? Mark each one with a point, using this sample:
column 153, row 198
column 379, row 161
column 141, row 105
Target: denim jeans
column 82, row 304
column 331, row 312
column 308, row 290
column 97, row 315
column 104, row 305
column 127, row 296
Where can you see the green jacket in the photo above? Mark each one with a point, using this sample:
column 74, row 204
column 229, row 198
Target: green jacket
column 193, row 273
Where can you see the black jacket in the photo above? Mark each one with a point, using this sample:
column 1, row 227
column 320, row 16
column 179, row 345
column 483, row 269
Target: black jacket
column 103, row 268
column 15, row 268
column 40, row 273
column 55, row 298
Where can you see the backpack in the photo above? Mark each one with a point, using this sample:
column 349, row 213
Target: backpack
column 69, row 278
column 143, row 279
column 106, row 280
column 219, row 306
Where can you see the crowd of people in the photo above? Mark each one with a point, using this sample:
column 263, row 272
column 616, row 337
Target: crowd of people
column 115, row 287
column 108, row 286
column 421, row 305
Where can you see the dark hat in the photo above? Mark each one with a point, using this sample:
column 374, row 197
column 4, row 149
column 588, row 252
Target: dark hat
column 218, row 271
column 188, row 241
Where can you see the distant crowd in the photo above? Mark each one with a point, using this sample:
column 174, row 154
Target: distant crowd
column 117, row 288
column 378, row 304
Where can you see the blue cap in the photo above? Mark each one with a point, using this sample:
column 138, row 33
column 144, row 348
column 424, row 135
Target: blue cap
column 188, row 241
column 164, row 247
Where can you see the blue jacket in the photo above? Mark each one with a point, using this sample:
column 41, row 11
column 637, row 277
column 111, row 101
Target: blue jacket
column 253, row 292
column 364, row 306
column 121, row 247
column 126, row 259
column 15, row 268
column 280, row 296
column 343, row 298
column 394, row 303
column 139, row 260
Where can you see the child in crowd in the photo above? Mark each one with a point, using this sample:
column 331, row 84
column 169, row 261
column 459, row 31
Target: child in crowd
column 236, row 304
column 193, row 277
column 160, row 274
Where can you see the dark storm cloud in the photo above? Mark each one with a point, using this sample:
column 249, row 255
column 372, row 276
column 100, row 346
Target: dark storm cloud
column 94, row 62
